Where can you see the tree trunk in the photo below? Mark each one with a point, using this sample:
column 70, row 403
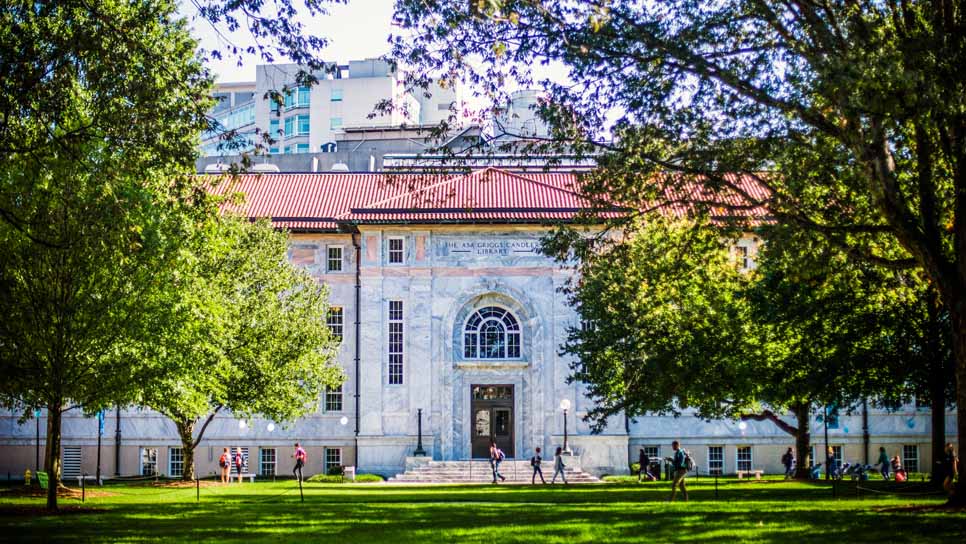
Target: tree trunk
column 957, row 313
column 52, row 460
column 803, row 439
column 938, row 380
column 186, row 430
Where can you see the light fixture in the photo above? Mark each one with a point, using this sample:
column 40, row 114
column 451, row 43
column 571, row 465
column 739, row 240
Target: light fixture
column 565, row 404
column 271, row 427
column 344, row 420
column 242, row 424
column 742, row 425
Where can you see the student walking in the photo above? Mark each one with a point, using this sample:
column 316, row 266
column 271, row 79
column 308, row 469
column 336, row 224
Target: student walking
column 679, row 469
column 239, row 461
column 225, row 463
column 644, row 467
column 789, row 461
column 300, row 457
column 535, row 463
column 558, row 467
column 883, row 463
column 950, row 468
column 496, row 457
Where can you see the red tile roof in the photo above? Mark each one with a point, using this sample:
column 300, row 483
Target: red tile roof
column 320, row 202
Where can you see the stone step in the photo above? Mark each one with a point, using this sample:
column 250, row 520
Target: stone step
column 478, row 471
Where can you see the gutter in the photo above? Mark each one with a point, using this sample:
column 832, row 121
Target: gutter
column 358, row 249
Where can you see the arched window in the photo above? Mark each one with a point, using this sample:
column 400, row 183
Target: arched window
column 491, row 333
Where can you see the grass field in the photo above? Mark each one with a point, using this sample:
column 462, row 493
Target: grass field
column 771, row 511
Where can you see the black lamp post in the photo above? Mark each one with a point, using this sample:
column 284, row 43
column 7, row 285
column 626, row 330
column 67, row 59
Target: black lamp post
column 565, row 405
column 37, row 460
column 419, row 441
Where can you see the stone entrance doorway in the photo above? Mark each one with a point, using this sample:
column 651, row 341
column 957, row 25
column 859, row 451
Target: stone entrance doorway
column 492, row 409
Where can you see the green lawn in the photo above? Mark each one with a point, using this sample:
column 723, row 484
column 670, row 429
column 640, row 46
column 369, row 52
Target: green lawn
column 743, row 512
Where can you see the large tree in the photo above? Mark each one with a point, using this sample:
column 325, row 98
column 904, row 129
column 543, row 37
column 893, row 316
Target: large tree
column 246, row 333
column 857, row 107
column 98, row 133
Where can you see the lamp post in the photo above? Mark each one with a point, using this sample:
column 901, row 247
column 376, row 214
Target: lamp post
column 420, row 452
column 565, row 406
column 37, row 460
column 828, row 458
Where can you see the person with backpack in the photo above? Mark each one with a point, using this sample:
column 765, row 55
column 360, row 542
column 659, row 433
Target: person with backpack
column 225, row 463
column 300, row 458
column 883, row 463
column 789, row 461
column 558, row 467
column 496, row 457
column 535, row 463
column 680, row 464
column 239, row 463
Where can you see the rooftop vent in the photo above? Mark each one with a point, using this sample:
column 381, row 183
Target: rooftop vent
column 340, row 167
column 265, row 167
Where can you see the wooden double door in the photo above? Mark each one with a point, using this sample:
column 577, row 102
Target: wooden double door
column 492, row 409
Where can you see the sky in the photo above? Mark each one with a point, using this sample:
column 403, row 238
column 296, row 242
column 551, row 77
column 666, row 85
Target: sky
column 357, row 30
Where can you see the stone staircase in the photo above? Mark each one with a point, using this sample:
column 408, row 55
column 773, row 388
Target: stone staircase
column 478, row 471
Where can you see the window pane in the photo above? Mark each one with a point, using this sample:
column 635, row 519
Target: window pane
column 266, row 461
column 335, row 320
column 715, row 459
column 335, row 123
column 743, row 456
column 336, row 95
column 333, row 399
column 482, row 423
column 303, row 121
column 395, row 340
column 304, row 96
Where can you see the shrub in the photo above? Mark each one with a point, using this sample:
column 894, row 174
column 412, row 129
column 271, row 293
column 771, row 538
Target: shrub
column 635, row 468
column 369, row 478
column 335, row 470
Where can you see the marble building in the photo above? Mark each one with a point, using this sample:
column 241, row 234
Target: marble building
column 448, row 312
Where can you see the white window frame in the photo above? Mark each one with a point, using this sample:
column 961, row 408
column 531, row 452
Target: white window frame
column 507, row 333
column 837, row 454
column 396, row 347
column 333, row 325
column 656, row 449
column 141, row 464
column 329, row 260
column 327, row 463
column 401, row 251
column 336, row 94
column 906, row 459
column 262, row 463
column 171, row 461
column 738, row 460
column 331, row 393
column 716, row 464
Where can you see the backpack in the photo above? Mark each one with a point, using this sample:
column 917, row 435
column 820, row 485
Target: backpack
column 688, row 461
column 223, row 461
column 500, row 455
column 533, row 461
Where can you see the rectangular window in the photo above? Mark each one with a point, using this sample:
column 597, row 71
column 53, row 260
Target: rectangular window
column 395, row 342
column 266, row 461
column 175, row 461
column 333, row 261
column 333, row 458
column 335, row 320
column 286, row 150
column 336, row 95
column 333, row 399
column 304, row 97
column 715, row 459
column 149, row 461
column 273, row 151
column 289, row 126
column 395, row 251
column 742, row 258
column 910, row 457
column 654, row 452
column 335, row 123
column 743, row 458
column 303, row 124
column 274, row 128
column 302, row 148
column 837, row 455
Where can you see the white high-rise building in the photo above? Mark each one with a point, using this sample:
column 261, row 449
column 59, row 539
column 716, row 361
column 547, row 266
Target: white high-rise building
column 310, row 116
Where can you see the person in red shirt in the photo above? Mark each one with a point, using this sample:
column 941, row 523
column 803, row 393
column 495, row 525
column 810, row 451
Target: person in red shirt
column 225, row 463
column 300, row 457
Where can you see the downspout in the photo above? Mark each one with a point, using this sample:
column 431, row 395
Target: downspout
column 117, row 443
column 358, row 249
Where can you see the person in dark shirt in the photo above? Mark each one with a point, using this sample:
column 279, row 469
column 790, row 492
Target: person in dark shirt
column 644, row 467
column 789, row 461
column 537, row 471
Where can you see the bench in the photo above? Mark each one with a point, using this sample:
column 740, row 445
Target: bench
column 89, row 478
column 250, row 476
column 756, row 472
